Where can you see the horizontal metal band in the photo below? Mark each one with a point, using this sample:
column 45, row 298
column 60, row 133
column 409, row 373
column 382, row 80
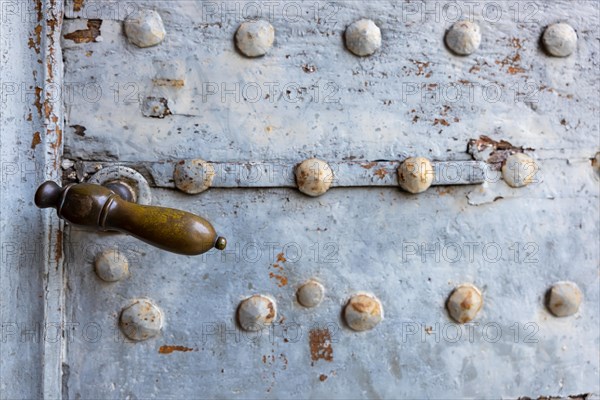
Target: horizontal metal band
column 281, row 174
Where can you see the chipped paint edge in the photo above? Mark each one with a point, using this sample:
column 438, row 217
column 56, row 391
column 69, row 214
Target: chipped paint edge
column 52, row 122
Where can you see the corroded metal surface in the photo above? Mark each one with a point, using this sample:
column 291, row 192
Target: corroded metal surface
column 195, row 96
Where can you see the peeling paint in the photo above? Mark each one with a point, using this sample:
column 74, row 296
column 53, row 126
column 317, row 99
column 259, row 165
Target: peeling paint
column 35, row 41
column 155, row 107
column 492, row 151
column 36, row 140
column 167, row 349
column 86, row 35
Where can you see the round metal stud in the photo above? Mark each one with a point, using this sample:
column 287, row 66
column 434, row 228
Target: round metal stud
column 463, row 38
column 256, row 312
column 310, row 294
column 141, row 320
column 363, row 37
column 519, row 170
column 560, row 40
column 464, row 303
column 255, row 38
column 145, row 28
column 193, row 176
column 415, row 174
column 314, row 177
column 563, row 299
column 111, row 265
column 363, row 312
column 128, row 176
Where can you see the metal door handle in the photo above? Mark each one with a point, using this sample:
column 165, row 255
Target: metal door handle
column 102, row 208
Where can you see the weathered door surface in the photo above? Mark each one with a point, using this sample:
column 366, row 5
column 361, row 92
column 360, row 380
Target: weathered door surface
column 387, row 260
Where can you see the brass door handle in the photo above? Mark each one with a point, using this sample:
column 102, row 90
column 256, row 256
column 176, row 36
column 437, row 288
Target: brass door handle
column 102, row 208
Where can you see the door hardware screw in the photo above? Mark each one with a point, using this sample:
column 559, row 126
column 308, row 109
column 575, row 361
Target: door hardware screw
column 464, row 303
column 363, row 312
column 314, row 177
column 560, row 40
column 141, row 320
column 363, row 37
column 310, row 294
column 193, row 176
column 145, row 28
column 463, row 38
column 256, row 312
column 255, row 38
column 415, row 174
column 111, row 265
column 563, row 299
column 519, row 170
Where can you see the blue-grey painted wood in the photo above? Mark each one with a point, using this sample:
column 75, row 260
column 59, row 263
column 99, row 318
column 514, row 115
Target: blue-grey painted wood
column 31, row 284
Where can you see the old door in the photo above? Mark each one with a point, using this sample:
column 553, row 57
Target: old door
column 361, row 289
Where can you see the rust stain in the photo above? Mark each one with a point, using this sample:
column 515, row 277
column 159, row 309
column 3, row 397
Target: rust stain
column 380, row 173
column 38, row 9
column 440, row 121
column 48, row 109
column 86, row 35
column 428, row 330
column 280, row 278
column 36, row 140
column 421, row 65
column 363, row 308
column 38, row 100
column 77, row 4
column 512, row 61
column 36, row 40
column 516, row 42
column 166, row 349
column 466, row 304
column 281, row 258
column 29, row 117
column 368, row 165
column 322, row 378
column 515, row 70
column 320, row 345
column 169, row 82
column 271, row 313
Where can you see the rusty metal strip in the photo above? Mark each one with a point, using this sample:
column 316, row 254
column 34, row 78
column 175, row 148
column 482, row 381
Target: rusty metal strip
column 281, row 174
